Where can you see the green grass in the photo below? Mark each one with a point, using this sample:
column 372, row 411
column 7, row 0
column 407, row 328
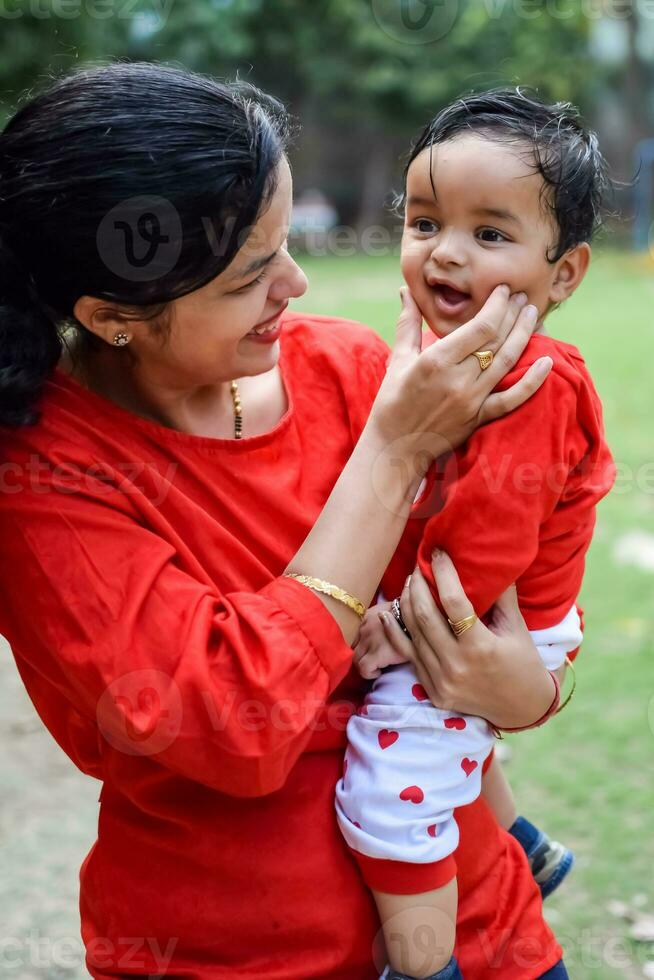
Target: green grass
column 587, row 777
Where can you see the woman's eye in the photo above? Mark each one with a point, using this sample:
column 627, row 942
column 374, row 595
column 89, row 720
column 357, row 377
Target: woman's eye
column 260, row 278
column 425, row 226
column 491, row 235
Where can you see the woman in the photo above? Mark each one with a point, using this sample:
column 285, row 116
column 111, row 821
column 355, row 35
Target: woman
column 153, row 510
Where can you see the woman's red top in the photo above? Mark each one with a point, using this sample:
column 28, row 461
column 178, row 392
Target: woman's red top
column 140, row 591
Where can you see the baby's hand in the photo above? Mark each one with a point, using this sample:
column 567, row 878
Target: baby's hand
column 373, row 650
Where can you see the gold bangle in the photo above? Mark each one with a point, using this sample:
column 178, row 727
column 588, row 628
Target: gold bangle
column 319, row 585
column 574, row 686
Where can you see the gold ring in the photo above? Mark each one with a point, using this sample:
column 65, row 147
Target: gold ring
column 485, row 358
column 463, row 624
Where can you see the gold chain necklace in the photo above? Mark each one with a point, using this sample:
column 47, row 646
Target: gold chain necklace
column 238, row 414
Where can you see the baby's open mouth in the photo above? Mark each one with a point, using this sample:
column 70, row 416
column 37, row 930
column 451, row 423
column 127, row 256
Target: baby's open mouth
column 452, row 295
column 450, row 301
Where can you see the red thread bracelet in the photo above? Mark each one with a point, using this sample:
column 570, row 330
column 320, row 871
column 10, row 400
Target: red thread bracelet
column 553, row 708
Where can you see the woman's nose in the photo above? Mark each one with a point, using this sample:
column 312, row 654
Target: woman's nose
column 290, row 281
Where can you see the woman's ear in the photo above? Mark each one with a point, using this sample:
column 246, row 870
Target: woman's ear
column 99, row 318
column 570, row 270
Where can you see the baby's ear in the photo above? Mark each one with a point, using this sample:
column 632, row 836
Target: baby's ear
column 570, row 270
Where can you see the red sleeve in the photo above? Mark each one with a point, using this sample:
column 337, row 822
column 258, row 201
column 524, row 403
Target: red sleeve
column 498, row 491
column 221, row 689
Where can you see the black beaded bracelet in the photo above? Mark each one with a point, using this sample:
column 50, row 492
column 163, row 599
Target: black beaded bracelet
column 397, row 613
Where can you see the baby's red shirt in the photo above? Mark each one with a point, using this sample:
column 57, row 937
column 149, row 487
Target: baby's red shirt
column 517, row 502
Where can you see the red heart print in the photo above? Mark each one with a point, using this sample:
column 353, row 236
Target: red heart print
column 386, row 737
column 413, row 794
column 468, row 765
column 432, row 830
column 419, row 693
column 458, row 723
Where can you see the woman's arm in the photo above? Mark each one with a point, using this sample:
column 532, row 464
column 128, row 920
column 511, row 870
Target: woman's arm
column 135, row 658
column 428, row 403
column 494, row 672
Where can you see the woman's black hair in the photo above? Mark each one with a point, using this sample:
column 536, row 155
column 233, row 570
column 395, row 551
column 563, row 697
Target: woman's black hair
column 563, row 152
column 187, row 160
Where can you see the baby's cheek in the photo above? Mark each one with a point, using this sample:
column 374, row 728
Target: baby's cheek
column 523, row 274
column 411, row 266
column 497, row 273
column 538, row 291
column 408, row 272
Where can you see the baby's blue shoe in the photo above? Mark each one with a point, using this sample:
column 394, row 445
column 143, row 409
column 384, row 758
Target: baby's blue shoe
column 549, row 860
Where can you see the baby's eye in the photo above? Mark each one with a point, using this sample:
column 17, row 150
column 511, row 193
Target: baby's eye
column 425, row 226
column 492, row 235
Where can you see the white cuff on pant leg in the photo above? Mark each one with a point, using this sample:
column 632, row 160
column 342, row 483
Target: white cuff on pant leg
column 556, row 642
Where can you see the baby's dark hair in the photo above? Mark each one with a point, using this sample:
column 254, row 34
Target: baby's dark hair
column 158, row 143
column 565, row 153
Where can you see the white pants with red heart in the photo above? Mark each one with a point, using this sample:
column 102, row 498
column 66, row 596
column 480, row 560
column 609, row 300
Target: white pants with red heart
column 408, row 765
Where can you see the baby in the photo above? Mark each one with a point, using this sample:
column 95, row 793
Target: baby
column 499, row 188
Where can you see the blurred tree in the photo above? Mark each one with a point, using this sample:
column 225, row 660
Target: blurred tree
column 344, row 64
column 361, row 82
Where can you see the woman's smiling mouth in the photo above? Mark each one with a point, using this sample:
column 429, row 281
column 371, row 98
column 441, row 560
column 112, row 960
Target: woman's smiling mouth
column 268, row 330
